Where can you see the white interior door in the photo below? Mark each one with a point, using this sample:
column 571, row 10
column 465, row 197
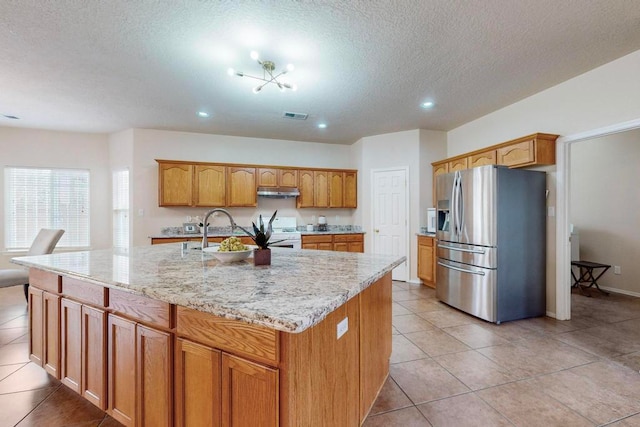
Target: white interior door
column 390, row 217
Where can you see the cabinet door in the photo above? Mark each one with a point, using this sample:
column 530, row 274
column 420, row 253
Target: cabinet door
column 438, row 170
column 122, row 369
column 175, row 184
column 517, row 154
column 321, row 185
column 325, row 246
column 198, row 385
column 426, row 260
column 341, row 247
column 249, row 393
column 309, row 246
column 350, row 190
column 356, row 247
column 267, row 177
column 241, row 187
column 94, row 356
column 307, row 189
column 336, row 187
column 35, row 326
column 209, row 185
column 458, row 165
column 482, row 159
column 71, row 344
column 51, row 333
column 154, row 364
column 288, row 178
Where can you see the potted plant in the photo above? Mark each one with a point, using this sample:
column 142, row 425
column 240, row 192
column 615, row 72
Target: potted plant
column 262, row 255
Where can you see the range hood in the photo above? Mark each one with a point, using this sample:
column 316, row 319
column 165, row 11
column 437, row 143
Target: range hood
column 278, row 192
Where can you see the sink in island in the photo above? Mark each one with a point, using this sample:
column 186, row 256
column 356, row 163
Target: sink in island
column 165, row 336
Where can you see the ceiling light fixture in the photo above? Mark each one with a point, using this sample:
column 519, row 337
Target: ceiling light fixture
column 427, row 104
column 203, row 114
column 268, row 68
column 322, row 125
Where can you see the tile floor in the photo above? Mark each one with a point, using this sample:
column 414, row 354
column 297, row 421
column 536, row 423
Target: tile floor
column 447, row 368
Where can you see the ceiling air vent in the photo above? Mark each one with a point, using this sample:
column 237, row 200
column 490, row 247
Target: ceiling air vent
column 295, row 116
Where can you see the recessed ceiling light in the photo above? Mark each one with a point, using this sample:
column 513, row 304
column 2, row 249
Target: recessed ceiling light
column 8, row 116
column 203, row 114
column 322, row 125
column 427, row 104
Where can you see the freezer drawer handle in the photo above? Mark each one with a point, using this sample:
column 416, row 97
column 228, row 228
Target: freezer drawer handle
column 471, row 251
column 479, row 273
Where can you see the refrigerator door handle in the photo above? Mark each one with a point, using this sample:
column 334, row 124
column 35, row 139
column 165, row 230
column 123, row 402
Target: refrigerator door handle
column 471, row 251
column 452, row 212
column 464, row 270
column 460, row 207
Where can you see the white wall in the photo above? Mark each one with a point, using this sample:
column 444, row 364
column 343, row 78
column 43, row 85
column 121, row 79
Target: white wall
column 156, row 144
column 39, row 148
column 605, row 203
column 601, row 97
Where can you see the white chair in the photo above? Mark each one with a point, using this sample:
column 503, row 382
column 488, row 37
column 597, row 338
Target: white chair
column 43, row 244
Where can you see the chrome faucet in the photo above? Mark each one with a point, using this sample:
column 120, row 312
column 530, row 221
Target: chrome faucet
column 205, row 237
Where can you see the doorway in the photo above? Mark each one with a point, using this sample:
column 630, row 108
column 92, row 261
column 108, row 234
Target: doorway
column 390, row 222
column 563, row 232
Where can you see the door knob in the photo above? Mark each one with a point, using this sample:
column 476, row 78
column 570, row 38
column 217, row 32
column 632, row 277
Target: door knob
column 376, row 230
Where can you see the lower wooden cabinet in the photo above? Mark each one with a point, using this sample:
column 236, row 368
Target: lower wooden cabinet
column 36, row 331
column 249, row 393
column 427, row 260
column 140, row 366
column 334, row 242
column 214, row 388
column 44, row 328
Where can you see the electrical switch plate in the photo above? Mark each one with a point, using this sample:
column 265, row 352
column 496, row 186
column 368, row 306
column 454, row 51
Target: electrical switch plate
column 343, row 327
column 616, row 269
column 551, row 211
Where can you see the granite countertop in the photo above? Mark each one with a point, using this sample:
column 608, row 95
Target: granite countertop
column 314, row 233
column 426, row 234
column 281, row 296
column 179, row 235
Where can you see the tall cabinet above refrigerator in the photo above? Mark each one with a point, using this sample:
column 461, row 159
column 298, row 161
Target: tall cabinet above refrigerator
column 491, row 242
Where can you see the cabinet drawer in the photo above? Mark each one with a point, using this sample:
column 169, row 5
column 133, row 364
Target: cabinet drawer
column 140, row 308
column 339, row 238
column 45, row 280
column 425, row 241
column 324, row 238
column 251, row 341
column 84, row 291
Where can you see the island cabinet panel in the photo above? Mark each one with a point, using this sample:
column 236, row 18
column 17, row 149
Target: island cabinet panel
column 426, row 260
column 175, row 184
column 198, row 385
column 319, row 372
column 122, row 370
column 94, row 356
column 140, row 308
column 375, row 341
column 249, row 394
column 85, row 292
column 45, row 280
column 71, row 344
column 306, row 188
column 251, row 341
column 209, row 185
column 36, row 326
column 154, row 379
column 241, row 187
column 51, row 327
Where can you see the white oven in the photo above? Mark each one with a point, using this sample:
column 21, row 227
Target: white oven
column 284, row 232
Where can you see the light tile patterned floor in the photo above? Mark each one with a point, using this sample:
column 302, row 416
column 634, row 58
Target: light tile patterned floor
column 448, row 368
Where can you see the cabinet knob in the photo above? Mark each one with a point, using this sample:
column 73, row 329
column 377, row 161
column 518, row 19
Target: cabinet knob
column 376, row 230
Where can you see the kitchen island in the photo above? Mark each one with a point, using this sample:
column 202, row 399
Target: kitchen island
column 165, row 336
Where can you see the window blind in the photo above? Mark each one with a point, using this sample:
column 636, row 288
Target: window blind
column 120, row 192
column 38, row 198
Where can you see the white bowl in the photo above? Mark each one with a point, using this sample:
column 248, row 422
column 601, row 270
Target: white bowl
column 229, row 256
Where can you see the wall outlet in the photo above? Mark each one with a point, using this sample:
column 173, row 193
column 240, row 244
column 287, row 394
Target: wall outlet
column 343, row 327
column 616, row 269
column 551, row 211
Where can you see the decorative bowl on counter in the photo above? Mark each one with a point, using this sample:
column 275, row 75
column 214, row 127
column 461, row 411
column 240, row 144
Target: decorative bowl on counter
column 230, row 256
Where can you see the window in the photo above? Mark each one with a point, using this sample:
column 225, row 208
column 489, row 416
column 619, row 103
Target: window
column 38, row 198
column 120, row 190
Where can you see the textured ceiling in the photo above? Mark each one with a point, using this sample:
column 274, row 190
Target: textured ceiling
column 362, row 66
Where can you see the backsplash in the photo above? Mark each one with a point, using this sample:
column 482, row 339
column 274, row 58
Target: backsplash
column 172, row 231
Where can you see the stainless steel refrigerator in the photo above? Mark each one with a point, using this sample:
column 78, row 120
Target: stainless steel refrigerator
column 491, row 242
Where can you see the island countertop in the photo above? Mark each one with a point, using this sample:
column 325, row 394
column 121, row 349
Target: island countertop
column 298, row 290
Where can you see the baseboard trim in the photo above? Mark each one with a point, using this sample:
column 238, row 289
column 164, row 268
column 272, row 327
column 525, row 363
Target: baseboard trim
column 551, row 314
column 620, row 291
column 414, row 281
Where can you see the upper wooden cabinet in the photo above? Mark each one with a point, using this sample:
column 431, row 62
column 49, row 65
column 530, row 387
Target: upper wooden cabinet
column 175, row 184
column 194, row 184
column 209, row 187
column 458, row 164
column 241, row 187
column 482, row 159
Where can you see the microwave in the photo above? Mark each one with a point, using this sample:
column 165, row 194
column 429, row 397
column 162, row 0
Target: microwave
column 431, row 220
